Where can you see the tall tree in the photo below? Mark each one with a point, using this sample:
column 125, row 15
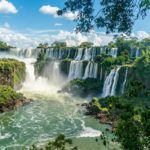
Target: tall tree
column 113, row 15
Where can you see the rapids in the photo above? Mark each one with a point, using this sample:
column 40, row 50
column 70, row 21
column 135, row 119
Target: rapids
column 51, row 113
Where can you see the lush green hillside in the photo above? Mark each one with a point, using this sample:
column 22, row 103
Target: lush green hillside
column 12, row 72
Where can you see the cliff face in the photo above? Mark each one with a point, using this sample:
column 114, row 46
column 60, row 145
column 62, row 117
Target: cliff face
column 113, row 68
column 12, row 72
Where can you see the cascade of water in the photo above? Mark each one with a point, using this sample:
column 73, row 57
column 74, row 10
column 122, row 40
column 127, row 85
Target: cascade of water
column 95, row 70
column 87, row 55
column 115, row 80
column 124, row 83
column 86, row 74
column 26, row 53
column 110, row 83
column 79, row 54
column 137, row 54
column 76, row 69
column 93, row 53
column 102, row 50
column 101, row 73
column 113, row 52
column 91, row 70
column 41, row 84
column 68, row 54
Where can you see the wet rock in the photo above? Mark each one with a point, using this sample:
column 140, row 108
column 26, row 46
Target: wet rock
column 14, row 104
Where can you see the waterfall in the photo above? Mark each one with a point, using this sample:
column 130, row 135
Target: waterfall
column 95, row 70
column 87, row 55
column 75, row 70
column 101, row 73
column 79, row 54
column 25, row 53
column 124, row 83
column 137, row 54
column 41, row 84
column 114, row 52
column 115, row 80
column 91, row 70
column 111, row 83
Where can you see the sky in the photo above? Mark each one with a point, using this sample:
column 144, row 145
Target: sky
column 26, row 23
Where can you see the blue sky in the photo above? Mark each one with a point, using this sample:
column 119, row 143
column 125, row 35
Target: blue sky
column 35, row 21
column 29, row 17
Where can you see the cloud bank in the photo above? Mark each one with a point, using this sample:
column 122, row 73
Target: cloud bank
column 32, row 38
column 51, row 10
column 7, row 7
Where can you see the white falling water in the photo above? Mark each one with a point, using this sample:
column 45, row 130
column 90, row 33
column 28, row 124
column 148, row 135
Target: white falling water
column 101, row 73
column 91, row 70
column 124, row 83
column 115, row 80
column 54, row 74
column 75, row 71
column 110, row 83
column 114, row 52
column 137, row 54
column 34, row 84
column 87, row 55
column 79, row 54
column 24, row 53
column 50, row 53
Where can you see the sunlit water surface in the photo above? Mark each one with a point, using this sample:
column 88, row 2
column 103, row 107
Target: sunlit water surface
column 50, row 114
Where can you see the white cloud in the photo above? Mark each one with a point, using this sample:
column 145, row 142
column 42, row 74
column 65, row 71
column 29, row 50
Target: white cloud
column 142, row 35
column 51, row 10
column 70, row 16
column 58, row 24
column 7, row 7
column 32, row 38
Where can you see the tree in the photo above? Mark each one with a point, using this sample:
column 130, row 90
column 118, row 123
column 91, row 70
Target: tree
column 60, row 143
column 86, row 44
column 114, row 15
column 59, row 44
column 43, row 45
column 4, row 46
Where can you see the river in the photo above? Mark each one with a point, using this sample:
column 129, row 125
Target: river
column 50, row 114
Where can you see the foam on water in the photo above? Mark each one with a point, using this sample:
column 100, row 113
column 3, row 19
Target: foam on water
column 5, row 136
column 88, row 131
column 49, row 115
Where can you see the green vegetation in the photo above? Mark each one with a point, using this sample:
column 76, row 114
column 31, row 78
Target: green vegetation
column 86, row 45
column 65, row 65
column 108, row 62
column 7, row 94
column 129, row 115
column 12, row 72
column 4, row 46
column 114, row 16
column 58, row 44
column 83, row 87
column 43, row 45
column 40, row 63
column 60, row 143
column 141, row 69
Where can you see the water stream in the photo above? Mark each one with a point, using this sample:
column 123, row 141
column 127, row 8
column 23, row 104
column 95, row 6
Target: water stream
column 50, row 114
